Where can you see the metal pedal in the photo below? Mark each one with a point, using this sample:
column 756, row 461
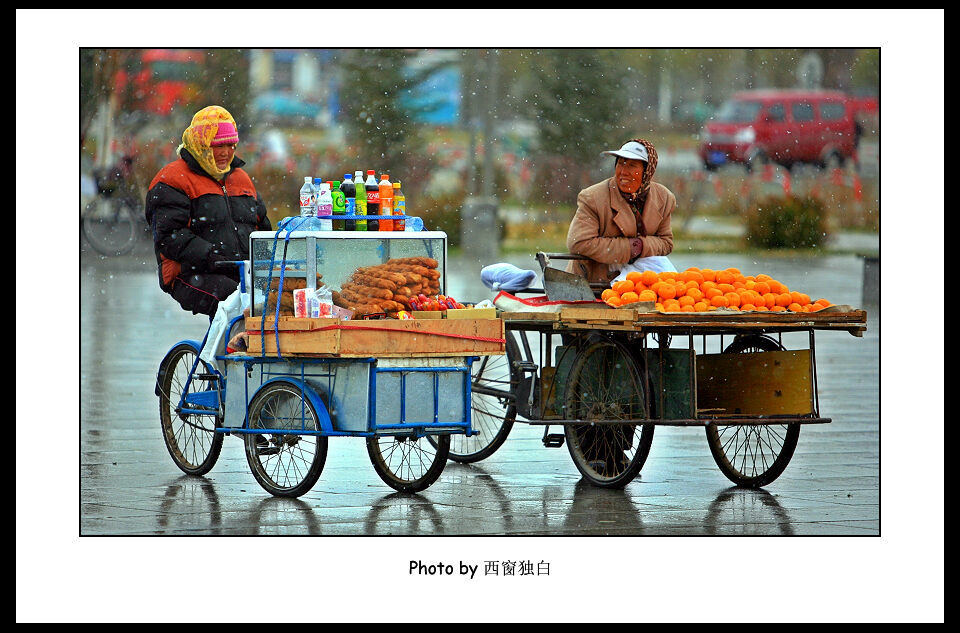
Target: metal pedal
column 553, row 440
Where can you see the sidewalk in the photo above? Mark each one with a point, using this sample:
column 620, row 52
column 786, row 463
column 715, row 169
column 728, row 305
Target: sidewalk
column 840, row 242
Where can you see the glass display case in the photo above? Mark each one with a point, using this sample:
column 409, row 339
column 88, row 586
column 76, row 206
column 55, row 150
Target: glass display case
column 335, row 256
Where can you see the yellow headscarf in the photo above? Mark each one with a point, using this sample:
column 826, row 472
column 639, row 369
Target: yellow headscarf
column 199, row 135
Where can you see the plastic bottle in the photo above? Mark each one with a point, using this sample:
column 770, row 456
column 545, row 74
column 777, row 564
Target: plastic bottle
column 349, row 190
column 339, row 205
column 361, row 199
column 399, row 207
column 325, row 207
column 386, row 201
column 373, row 200
column 308, row 198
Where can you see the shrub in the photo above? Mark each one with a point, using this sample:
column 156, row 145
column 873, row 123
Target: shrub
column 786, row 222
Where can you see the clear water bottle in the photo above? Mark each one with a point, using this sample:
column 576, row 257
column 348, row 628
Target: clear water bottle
column 308, row 198
column 325, row 208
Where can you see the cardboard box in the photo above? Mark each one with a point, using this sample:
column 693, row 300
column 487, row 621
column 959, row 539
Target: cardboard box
column 427, row 314
column 472, row 313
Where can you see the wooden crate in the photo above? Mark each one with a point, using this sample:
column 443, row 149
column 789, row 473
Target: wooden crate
column 376, row 338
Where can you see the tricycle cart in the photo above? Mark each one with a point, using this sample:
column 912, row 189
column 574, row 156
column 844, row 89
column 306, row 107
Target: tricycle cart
column 404, row 386
column 609, row 377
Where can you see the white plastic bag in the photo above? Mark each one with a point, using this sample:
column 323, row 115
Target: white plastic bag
column 230, row 308
column 656, row 263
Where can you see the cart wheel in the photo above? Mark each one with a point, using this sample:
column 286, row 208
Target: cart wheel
column 752, row 456
column 406, row 463
column 604, row 384
column 492, row 417
column 285, row 464
column 191, row 439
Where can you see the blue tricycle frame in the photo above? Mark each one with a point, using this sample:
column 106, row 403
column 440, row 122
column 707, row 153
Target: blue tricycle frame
column 284, row 409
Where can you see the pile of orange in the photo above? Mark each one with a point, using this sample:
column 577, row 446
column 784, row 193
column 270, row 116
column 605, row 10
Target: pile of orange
column 704, row 289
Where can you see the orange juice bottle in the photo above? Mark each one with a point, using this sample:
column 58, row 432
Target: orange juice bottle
column 386, row 202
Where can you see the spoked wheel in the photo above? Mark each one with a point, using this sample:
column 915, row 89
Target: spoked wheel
column 283, row 461
column 408, row 464
column 190, row 438
column 492, row 416
column 110, row 226
column 752, row 456
column 605, row 385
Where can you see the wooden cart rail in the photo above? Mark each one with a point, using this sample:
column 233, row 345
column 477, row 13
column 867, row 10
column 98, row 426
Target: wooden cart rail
column 638, row 320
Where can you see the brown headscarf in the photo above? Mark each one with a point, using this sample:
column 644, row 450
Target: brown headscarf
column 637, row 199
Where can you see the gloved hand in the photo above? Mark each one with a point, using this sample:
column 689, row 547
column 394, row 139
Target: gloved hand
column 228, row 270
column 636, row 247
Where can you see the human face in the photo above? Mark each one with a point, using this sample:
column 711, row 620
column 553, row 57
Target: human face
column 628, row 173
column 223, row 154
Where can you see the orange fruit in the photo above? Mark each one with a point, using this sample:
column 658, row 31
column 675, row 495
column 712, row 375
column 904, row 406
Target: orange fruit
column 708, row 274
column 769, row 299
column 725, row 277
column 693, row 283
column 622, row 286
column 799, row 297
column 763, row 309
column 648, row 277
column 695, row 275
column 733, row 299
column 823, row 302
column 647, row 295
column 667, row 291
column 686, row 300
column 725, row 287
column 606, row 294
column 748, row 307
column 719, row 301
column 635, row 276
column 696, row 293
column 613, row 301
column 687, row 309
column 778, row 309
column 701, row 306
column 784, row 299
column 710, row 293
column 814, row 307
column 671, row 305
column 795, row 307
column 629, row 297
column 763, row 277
column 681, row 289
column 762, row 287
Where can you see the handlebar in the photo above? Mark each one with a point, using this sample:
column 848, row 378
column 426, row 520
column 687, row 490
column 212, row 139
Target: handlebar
column 243, row 267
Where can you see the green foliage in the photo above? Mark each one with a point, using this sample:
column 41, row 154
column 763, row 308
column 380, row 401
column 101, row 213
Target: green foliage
column 786, row 222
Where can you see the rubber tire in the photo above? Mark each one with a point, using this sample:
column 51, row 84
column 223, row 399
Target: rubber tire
column 571, row 431
column 250, row 447
column 457, row 454
column 714, row 432
column 126, row 239
column 440, row 443
column 165, row 378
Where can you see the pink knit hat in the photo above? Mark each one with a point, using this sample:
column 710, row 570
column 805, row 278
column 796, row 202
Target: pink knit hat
column 226, row 134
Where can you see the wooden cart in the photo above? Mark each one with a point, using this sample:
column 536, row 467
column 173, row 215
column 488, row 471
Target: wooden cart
column 609, row 377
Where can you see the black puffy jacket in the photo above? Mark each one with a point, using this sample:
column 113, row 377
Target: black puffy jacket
column 198, row 221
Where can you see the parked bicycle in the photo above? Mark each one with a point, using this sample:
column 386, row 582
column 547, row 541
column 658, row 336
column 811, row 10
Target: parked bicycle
column 112, row 222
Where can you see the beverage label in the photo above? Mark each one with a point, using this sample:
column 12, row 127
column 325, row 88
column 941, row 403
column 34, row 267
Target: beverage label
column 373, row 197
column 400, row 208
column 361, row 210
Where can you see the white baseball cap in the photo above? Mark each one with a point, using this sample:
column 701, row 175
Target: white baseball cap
column 630, row 149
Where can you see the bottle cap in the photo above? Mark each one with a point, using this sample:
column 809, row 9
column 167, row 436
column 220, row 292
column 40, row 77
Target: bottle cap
column 396, row 185
column 347, row 176
column 307, row 179
column 370, row 172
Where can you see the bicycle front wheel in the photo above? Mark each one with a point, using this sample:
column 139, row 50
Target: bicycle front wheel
column 110, row 225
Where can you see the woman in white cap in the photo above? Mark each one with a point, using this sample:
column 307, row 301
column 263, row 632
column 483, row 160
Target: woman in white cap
column 623, row 219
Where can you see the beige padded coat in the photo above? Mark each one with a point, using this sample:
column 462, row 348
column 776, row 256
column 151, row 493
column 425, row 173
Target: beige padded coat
column 604, row 222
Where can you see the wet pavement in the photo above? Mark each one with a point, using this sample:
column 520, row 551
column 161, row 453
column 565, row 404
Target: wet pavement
column 129, row 486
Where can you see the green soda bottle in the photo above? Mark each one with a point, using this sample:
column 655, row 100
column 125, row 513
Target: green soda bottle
column 339, row 205
column 361, row 200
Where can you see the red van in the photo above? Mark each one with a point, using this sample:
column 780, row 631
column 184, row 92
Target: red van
column 781, row 126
